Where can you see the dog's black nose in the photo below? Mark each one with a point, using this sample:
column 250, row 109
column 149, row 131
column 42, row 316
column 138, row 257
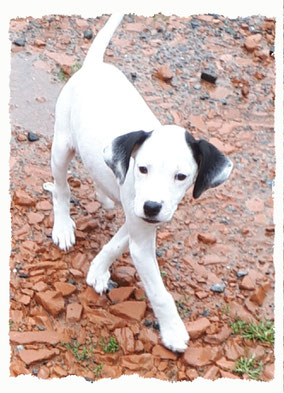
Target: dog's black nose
column 151, row 209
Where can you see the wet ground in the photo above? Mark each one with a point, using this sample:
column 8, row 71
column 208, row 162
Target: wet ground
column 58, row 325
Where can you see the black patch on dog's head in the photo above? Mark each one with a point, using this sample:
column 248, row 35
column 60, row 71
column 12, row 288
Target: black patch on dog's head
column 117, row 156
column 213, row 166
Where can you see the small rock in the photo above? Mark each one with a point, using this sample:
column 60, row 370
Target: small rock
column 129, row 309
column 20, row 42
column 66, row 69
column 88, row 34
column 147, row 322
column 216, row 339
column 73, row 312
column 238, row 311
column 76, row 273
column 197, row 328
column 206, row 238
column 92, row 207
column 119, row 295
column 252, row 42
column 204, row 97
column 81, row 23
column 135, row 27
column 21, row 137
column 41, row 99
column 226, row 374
column 125, row 339
column 24, row 299
column 52, row 301
column 247, row 284
column 233, row 350
column 156, row 325
column 191, row 373
column 86, row 224
column 79, row 261
column 259, row 295
column 163, row 353
column 199, row 356
column 39, row 43
column 102, row 318
column 44, row 205
column 202, row 295
column 29, row 356
column 268, row 371
column 225, row 364
column 145, row 361
column 212, row 259
column 65, row 288
column 149, row 337
column 17, row 367
column 45, row 337
column 124, row 275
column 35, row 218
column 208, row 77
column 218, row 288
column 211, row 373
column 61, row 58
column 245, row 91
column 242, row 273
column 24, row 275
column 110, row 371
column 164, row 73
column 22, row 198
column 32, row 137
column 43, row 372
column 206, row 312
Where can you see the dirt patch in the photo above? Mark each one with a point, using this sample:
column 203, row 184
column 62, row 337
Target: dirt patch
column 215, row 257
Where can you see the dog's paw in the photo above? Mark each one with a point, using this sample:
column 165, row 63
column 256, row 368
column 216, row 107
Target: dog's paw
column 63, row 233
column 99, row 281
column 175, row 336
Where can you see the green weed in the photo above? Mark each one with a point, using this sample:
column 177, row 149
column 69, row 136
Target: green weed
column 97, row 370
column 263, row 331
column 64, row 77
column 80, row 354
column 182, row 306
column 249, row 367
column 111, row 346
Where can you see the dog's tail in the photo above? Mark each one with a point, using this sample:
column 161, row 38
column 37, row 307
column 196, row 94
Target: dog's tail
column 98, row 47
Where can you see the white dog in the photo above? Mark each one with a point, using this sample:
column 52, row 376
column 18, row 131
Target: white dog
column 134, row 161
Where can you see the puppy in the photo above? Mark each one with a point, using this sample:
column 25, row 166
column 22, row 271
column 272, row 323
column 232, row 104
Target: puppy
column 135, row 162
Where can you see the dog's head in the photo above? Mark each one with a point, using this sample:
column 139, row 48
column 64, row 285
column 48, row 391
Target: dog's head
column 166, row 162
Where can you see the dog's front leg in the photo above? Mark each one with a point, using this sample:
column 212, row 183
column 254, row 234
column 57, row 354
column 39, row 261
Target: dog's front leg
column 142, row 249
column 98, row 275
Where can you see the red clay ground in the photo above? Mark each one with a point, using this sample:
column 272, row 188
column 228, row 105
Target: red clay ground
column 58, row 325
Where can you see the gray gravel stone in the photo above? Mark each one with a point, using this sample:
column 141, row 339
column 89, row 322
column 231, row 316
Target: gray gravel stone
column 242, row 273
column 218, row 288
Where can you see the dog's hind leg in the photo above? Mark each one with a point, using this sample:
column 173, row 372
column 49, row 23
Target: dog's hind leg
column 98, row 275
column 106, row 202
column 63, row 227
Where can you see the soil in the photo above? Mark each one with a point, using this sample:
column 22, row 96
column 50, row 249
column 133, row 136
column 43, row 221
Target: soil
column 58, row 325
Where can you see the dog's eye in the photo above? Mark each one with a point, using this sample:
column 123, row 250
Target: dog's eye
column 180, row 177
column 143, row 169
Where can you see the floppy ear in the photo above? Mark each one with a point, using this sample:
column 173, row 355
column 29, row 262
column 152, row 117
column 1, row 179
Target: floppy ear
column 213, row 166
column 117, row 155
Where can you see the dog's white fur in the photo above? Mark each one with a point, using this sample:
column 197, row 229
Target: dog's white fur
column 97, row 105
